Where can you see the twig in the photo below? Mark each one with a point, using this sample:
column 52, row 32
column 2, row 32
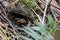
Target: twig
column 55, row 6
column 37, row 16
column 43, row 2
column 15, row 2
column 39, row 8
column 47, row 3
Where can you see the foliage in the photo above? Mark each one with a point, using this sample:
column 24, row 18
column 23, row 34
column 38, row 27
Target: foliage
column 30, row 3
column 43, row 29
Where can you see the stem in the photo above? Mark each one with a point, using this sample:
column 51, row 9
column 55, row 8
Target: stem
column 38, row 16
column 47, row 2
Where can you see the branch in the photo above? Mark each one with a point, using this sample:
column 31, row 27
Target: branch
column 47, row 2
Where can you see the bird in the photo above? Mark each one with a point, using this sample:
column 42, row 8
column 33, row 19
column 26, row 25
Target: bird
column 18, row 20
column 20, row 15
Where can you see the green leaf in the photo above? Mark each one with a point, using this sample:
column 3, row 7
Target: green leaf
column 33, row 34
column 26, row 38
column 42, row 28
column 52, row 23
column 30, row 3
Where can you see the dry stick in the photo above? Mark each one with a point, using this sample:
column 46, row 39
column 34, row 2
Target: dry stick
column 55, row 6
column 15, row 2
column 3, row 31
column 41, row 2
column 39, row 8
column 10, row 24
column 47, row 2
column 13, row 28
column 37, row 16
column 51, row 5
column 4, row 18
column 3, row 10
